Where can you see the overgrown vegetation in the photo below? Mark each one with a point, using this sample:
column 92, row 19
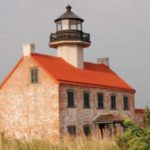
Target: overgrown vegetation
column 146, row 118
column 68, row 143
column 135, row 138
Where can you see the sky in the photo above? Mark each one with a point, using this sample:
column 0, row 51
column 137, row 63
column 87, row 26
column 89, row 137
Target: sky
column 119, row 29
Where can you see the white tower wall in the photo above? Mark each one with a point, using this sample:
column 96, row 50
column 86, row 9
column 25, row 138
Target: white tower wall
column 71, row 53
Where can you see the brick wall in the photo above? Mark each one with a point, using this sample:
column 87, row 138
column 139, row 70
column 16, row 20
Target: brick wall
column 29, row 110
column 80, row 116
column 40, row 110
column 138, row 119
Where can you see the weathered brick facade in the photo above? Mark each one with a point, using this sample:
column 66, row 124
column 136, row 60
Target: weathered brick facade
column 138, row 118
column 29, row 110
column 80, row 116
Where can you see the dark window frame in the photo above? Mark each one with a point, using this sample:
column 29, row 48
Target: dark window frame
column 69, row 103
column 125, row 102
column 34, row 75
column 72, row 131
column 113, row 102
column 86, row 100
column 100, row 100
column 86, row 130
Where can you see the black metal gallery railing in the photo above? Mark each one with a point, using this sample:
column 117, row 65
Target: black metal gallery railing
column 69, row 35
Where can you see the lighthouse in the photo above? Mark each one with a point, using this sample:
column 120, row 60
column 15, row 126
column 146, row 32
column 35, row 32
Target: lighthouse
column 69, row 39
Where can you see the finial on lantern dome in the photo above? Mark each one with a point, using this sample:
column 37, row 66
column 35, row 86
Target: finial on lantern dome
column 68, row 7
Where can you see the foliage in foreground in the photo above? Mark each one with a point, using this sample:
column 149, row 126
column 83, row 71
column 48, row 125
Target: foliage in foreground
column 134, row 138
column 146, row 118
column 68, row 143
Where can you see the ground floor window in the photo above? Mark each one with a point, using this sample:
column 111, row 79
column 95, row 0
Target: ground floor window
column 86, row 130
column 72, row 130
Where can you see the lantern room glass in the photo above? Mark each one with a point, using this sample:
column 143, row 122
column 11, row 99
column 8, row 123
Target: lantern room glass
column 75, row 25
column 69, row 24
column 58, row 26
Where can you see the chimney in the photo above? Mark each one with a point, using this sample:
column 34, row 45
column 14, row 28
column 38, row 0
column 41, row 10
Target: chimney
column 104, row 61
column 28, row 49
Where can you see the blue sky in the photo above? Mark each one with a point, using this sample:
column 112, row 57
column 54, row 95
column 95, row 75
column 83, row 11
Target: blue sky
column 120, row 30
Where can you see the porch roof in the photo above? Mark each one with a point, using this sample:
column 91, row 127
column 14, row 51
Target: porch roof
column 108, row 118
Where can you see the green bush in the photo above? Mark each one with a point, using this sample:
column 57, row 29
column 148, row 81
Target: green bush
column 134, row 138
column 146, row 118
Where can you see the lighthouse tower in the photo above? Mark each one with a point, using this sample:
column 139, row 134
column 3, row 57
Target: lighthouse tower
column 69, row 38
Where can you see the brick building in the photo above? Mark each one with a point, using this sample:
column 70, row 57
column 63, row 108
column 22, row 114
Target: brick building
column 49, row 96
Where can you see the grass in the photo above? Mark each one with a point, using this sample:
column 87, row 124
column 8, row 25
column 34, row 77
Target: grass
column 80, row 142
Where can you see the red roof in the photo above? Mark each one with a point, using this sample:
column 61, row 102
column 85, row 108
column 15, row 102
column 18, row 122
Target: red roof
column 94, row 75
column 137, row 110
column 91, row 75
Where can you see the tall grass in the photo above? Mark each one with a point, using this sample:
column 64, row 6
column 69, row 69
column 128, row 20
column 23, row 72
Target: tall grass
column 80, row 142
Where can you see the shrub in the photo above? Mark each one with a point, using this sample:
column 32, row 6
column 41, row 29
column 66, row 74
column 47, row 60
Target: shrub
column 146, row 118
column 134, row 138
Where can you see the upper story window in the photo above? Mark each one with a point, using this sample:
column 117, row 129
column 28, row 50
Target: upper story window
column 86, row 98
column 86, row 130
column 70, row 98
column 72, row 130
column 113, row 101
column 126, row 103
column 34, row 75
column 100, row 100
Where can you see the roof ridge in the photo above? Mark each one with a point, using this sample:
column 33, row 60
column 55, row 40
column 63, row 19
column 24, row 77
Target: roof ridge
column 94, row 63
column 44, row 55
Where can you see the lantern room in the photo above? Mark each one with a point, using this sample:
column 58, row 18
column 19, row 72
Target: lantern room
column 69, row 21
column 69, row 29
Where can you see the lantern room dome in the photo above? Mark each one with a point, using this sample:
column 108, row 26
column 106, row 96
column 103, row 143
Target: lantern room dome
column 69, row 15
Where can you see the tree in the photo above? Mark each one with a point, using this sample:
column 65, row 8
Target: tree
column 146, row 118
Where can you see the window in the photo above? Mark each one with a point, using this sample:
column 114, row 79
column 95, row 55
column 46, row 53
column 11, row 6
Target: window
column 34, row 75
column 59, row 26
column 79, row 26
column 126, row 103
column 87, row 130
column 72, row 130
column 100, row 100
column 113, row 102
column 70, row 97
column 65, row 24
column 73, row 24
column 86, row 100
